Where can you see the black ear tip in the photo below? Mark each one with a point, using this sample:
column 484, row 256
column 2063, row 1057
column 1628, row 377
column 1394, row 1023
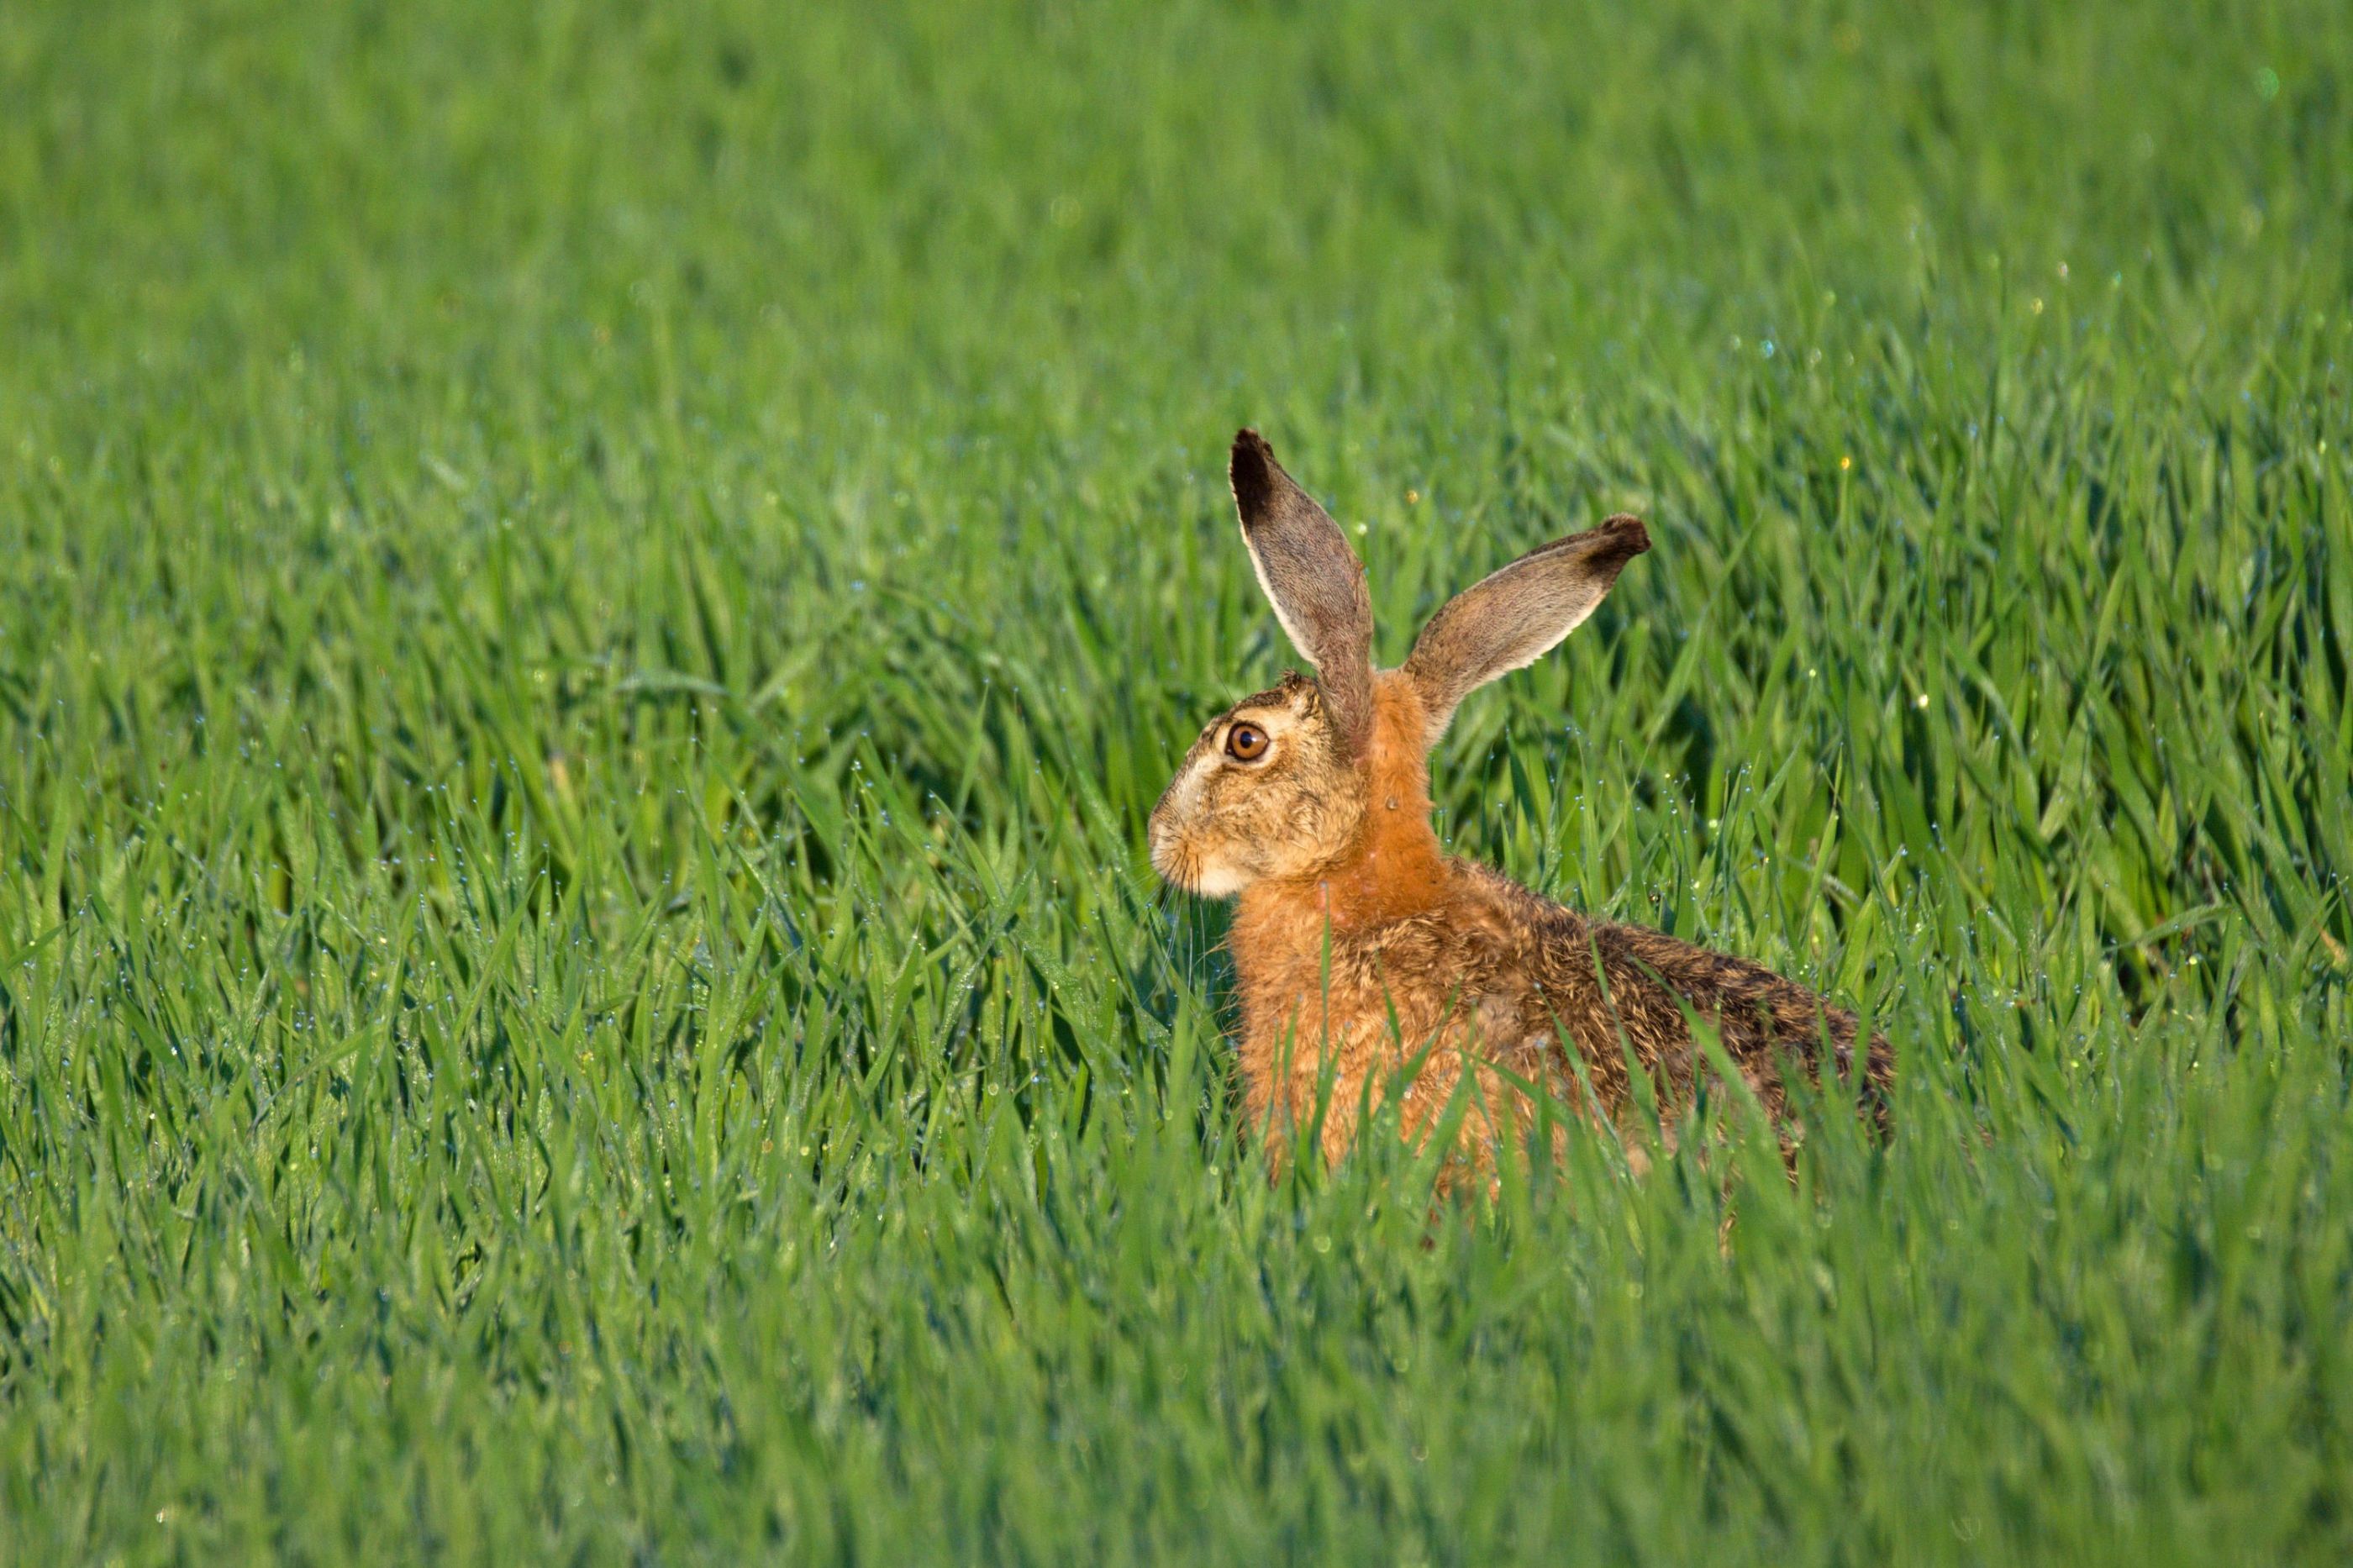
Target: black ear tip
column 1252, row 470
column 1628, row 537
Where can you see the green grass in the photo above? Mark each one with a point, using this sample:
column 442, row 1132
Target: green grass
column 593, row 598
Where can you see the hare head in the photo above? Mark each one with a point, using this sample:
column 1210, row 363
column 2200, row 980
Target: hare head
column 1294, row 782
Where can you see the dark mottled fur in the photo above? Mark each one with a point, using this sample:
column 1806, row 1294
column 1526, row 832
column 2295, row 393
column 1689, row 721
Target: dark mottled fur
column 1603, row 984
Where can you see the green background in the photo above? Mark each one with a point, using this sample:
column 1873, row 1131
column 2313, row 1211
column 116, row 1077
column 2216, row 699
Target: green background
column 593, row 598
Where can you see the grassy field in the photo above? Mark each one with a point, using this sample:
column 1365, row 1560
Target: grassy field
column 593, row 598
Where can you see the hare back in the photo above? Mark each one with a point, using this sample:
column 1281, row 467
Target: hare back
column 1615, row 990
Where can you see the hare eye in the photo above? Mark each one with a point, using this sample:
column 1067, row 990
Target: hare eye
column 1246, row 742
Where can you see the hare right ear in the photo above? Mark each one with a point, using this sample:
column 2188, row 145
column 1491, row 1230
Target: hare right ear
column 1312, row 579
column 1509, row 620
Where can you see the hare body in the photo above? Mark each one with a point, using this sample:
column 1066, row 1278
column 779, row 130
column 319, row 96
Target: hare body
column 1370, row 962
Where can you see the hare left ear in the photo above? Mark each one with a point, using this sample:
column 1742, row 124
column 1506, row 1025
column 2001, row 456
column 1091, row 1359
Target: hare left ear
column 1511, row 619
column 1312, row 579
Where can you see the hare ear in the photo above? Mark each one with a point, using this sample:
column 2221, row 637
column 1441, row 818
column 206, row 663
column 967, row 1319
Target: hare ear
column 1509, row 620
column 1312, row 579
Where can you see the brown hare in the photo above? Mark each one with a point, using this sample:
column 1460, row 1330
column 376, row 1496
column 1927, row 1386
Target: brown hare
column 1360, row 948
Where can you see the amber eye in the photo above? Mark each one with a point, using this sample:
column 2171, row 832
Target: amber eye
column 1246, row 742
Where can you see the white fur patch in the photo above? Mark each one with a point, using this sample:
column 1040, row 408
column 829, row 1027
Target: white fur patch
column 1217, row 879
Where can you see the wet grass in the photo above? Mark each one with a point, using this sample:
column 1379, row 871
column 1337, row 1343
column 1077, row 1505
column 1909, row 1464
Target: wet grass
column 594, row 602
